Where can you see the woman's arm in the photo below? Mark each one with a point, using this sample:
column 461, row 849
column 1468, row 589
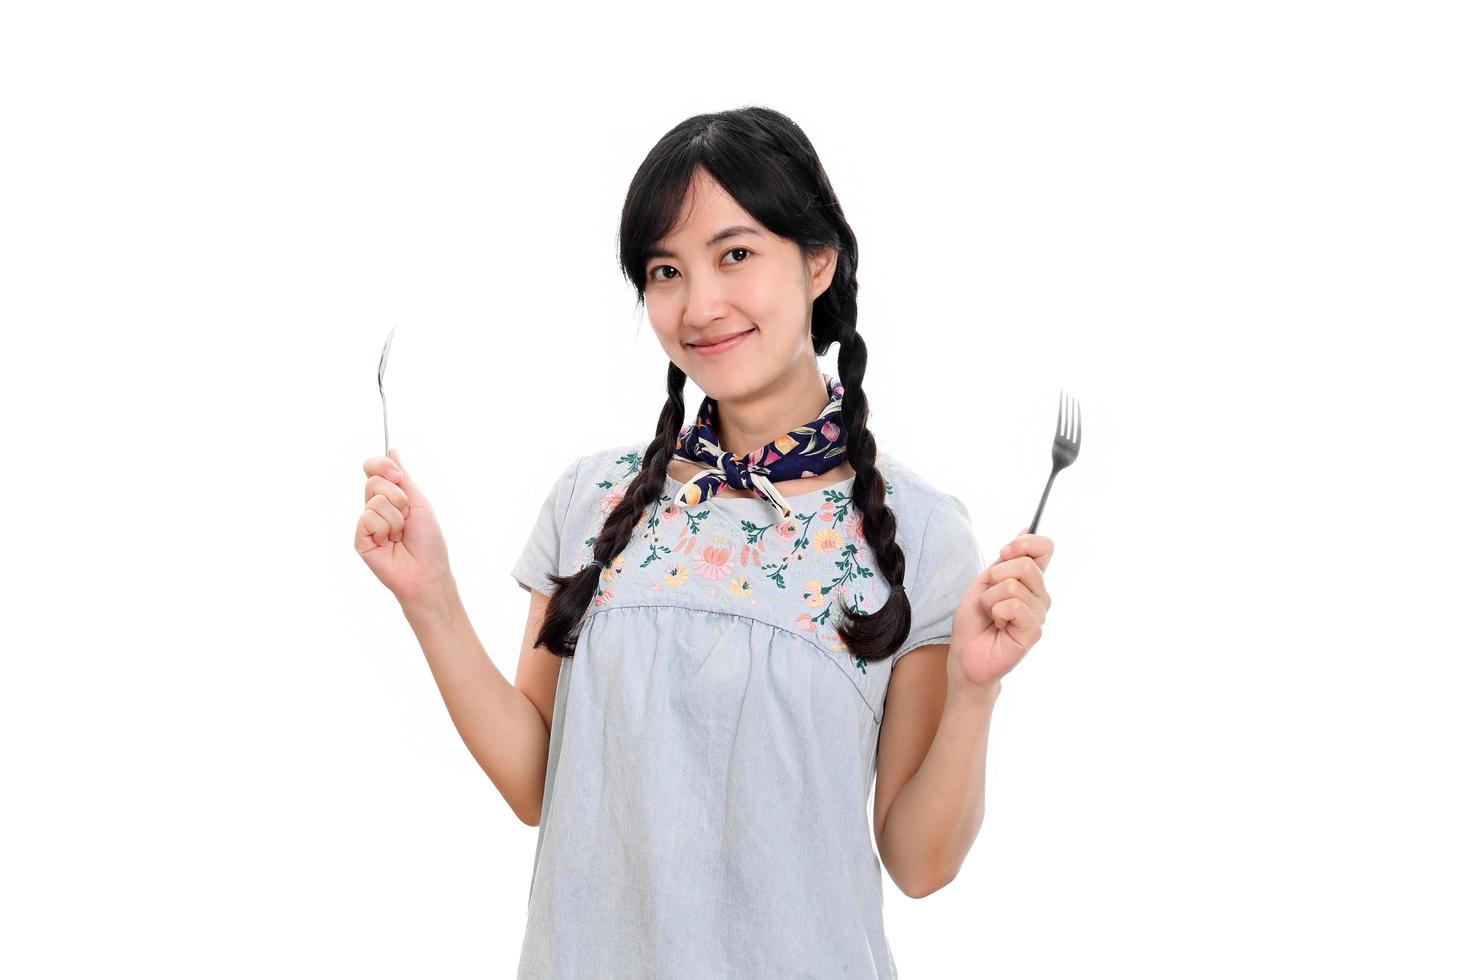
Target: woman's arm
column 501, row 726
column 931, row 822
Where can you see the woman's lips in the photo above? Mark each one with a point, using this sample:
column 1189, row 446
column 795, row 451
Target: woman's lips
column 723, row 346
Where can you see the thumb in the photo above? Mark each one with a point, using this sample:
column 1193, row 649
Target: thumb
column 410, row 488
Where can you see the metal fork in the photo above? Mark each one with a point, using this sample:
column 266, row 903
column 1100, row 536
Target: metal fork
column 1065, row 448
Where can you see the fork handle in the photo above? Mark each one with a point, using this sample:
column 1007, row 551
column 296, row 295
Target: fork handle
column 1033, row 529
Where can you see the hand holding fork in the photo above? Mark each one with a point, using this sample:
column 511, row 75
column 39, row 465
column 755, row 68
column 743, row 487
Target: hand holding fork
column 1001, row 615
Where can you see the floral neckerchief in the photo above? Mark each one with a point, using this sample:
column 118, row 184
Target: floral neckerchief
column 805, row 451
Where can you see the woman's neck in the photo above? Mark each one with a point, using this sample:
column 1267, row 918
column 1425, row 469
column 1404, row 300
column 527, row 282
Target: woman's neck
column 747, row 425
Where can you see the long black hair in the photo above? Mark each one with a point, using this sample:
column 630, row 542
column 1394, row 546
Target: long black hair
column 767, row 164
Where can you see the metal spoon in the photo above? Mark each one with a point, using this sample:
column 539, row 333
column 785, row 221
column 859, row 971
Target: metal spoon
column 382, row 364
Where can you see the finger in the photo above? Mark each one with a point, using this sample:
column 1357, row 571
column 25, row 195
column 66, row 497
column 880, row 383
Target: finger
column 394, row 493
column 1004, row 611
column 1039, row 546
column 1043, row 552
column 391, row 468
column 373, row 529
column 1019, row 621
column 1035, row 603
column 1024, row 569
column 390, row 513
column 1011, row 589
column 1018, row 545
column 384, row 466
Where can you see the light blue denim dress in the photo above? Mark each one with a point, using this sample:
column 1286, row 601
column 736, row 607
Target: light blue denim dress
column 713, row 746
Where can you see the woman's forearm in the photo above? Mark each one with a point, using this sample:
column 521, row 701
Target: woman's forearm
column 937, row 814
column 500, row 726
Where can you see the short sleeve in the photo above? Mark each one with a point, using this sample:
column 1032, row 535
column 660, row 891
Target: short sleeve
column 541, row 556
column 948, row 562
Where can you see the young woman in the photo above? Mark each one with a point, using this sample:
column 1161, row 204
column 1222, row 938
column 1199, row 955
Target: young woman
column 710, row 678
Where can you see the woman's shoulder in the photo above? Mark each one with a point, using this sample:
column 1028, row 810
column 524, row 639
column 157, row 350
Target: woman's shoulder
column 921, row 506
column 907, row 486
column 611, row 466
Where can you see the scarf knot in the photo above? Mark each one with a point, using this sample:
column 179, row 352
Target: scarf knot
column 807, row 450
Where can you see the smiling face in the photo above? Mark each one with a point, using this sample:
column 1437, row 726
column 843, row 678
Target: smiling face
column 719, row 273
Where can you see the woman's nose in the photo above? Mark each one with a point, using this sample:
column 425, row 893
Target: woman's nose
column 706, row 300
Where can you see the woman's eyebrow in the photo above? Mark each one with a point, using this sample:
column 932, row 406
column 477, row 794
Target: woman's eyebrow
column 720, row 236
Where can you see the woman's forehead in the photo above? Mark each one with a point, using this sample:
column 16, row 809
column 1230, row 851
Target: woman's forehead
column 709, row 218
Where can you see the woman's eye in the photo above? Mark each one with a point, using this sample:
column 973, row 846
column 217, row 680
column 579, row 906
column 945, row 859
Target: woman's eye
column 654, row 272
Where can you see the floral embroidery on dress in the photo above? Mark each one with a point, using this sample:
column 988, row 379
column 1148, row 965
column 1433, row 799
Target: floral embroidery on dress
column 704, row 550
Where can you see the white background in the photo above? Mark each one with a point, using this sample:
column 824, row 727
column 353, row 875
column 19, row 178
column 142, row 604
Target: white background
column 1237, row 234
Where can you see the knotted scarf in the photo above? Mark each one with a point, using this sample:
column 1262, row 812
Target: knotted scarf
column 805, row 451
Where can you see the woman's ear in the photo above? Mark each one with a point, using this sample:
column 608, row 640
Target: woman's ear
column 821, row 268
